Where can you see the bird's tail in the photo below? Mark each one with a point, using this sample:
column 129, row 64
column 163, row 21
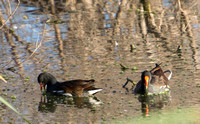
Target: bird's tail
column 170, row 74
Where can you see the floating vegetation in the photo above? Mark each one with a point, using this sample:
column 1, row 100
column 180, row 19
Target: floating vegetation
column 129, row 80
column 179, row 49
column 131, row 9
column 53, row 21
column 11, row 69
column 121, row 72
column 123, row 67
column 106, row 64
column 25, row 17
column 113, row 118
column 154, row 12
column 27, row 78
column 5, row 94
column 101, row 103
column 13, row 97
column 138, row 10
column 153, row 59
column 198, row 85
column 160, row 93
column 130, row 102
column 134, row 68
column 44, row 70
column 109, row 103
column 132, row 47
column 12, row 76
column 137, row 109
column 94, row 107
column 102, row 117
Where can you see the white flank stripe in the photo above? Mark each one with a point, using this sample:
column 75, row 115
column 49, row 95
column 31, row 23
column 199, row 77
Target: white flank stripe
column 94, row 91
column 67, row 94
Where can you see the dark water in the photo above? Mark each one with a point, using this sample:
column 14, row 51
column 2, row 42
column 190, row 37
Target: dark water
column 90, row 39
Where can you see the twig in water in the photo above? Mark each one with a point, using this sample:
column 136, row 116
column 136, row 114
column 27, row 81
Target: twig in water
column 11, row 14
column 37, row 45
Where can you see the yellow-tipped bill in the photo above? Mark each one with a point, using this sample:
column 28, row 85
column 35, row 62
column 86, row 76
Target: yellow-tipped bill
column 41, row 86
column 146, row 78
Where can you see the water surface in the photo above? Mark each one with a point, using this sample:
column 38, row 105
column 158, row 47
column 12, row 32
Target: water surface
column 90, row 39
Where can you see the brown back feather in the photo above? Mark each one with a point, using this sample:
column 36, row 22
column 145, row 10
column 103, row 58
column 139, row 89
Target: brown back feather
column 76, row 87
column 157, row 71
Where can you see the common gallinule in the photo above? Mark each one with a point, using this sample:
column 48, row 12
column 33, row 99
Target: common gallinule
column 153, row 81
column 71, row 87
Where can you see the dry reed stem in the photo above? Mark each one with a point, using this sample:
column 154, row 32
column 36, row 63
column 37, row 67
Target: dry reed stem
column 186, row 20
column 38, row 44
column 11, row 15
column 9, row 7
column 3, row 79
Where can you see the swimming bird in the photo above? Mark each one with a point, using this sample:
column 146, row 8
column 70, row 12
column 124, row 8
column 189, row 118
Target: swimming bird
column 154, row 81
column 70, row 88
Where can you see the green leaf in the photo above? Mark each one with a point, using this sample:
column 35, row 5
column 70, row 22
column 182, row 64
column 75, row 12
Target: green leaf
column 11, row 107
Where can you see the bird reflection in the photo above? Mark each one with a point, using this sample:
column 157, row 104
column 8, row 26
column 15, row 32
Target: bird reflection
column 153, row 102
column 49, row 103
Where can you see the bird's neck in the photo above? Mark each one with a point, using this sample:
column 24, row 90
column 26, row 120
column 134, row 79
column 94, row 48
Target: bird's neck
column 52, row 85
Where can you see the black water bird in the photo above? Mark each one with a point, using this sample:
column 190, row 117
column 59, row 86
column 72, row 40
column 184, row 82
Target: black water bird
column 71, row 87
